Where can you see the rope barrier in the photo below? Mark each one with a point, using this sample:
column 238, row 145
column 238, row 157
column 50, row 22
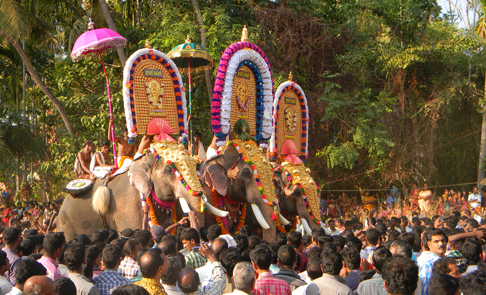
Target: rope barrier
column 404, row 160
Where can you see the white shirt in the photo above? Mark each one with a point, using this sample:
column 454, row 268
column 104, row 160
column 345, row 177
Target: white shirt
column 14, row 291
column 475, row 197
column 471, row 268
column 205, row 271
column 334, row 232
column 171, row 290
column 5, row 285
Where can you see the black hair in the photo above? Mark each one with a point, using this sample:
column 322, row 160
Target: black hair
column 111, row 256
column 314, row 270
column 74, row 255
column 182, row 259
column 130, row 246
column 287, row 255
column 429, row 233
column 197, row 133
column 11, row 235
column 332, row 262
column 65, row 286
column 149, row 268
column 245, row 230
column 93, row 253
column 241, row 243
column 53, row 242
column 351, row 257
column 27, row 268
column 321, row 240
column 97, row 237
column 372, row 235
column 472, row 222
column 473, row 283
column 294, row 239
column 85, row 144
column 229, row 258
column 253, row 242
column 406, row 237
column 112, row 235
column 120, row 243
column 318, row 231
column 144, row 236
column 105, row 143
column 3, row 258
column 355, row 243
column 261, row 256
column 340, row 240
column 27, row 246
column 443, row 284
column 366, row 275
column 471, row 250
column 130, row 290
column 168, row 246
column 172, row 275
column 307, row 239
column 403, row 248
column 400, row 275
column 441, row 266
column 88, row 270
column 379, row 256
column 203, row 234
column 381, row 227
column 190, row 234
column 214, row 231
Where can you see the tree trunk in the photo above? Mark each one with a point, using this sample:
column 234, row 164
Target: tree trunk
column 111, row 25
column 207, row 73
column 39, row 82
column 482, row 146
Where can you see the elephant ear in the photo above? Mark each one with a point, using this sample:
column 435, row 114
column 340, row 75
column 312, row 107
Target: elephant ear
column 215, row 177
column 140, row 175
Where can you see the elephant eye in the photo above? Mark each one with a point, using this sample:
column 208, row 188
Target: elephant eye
column 247, row 173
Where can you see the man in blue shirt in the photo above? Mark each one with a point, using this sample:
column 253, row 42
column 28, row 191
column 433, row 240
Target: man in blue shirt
column 436, row 241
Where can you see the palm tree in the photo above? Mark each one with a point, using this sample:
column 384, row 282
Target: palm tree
column 15, row 22
column 111, row 26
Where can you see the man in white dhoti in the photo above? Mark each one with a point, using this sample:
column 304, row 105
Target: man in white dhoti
column 100, row 162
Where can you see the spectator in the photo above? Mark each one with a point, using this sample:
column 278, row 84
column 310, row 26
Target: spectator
column 144, row 236
column 471, row 250
column 294, row 239
column 261, row 258
column 330, row 282
column 5, row 285
column 130, row 290
column 287, row 258
column 129, row 267
column 53, row 247
column 473, row 283
column 375, row 285
column 93, row 253
column 217, row 245
column 169, row 280
column 400, row 276
column 243, row 278
column 229, row 258
column 75, row 258
column 214, row 231
column 373, row 237
column 109, row 280
column 331, row 229
column 401, row 248
column 436, row 241
column 39, row 285
column 153, row 264
column 351, row 261
column 446, row 266
column 190, row 239
column 25, row 269
column 65, row 286
column 11, row 237
column 443, row 284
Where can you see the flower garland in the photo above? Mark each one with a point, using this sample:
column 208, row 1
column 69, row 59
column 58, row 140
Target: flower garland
column 243, row 107
column 181, row 179
column 152, row 216
column 221, row 104
column 223, row 221
column 289, row 85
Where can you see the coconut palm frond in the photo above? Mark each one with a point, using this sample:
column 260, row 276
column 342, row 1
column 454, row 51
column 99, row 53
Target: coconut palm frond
column 19, row 139
column 4, row 149
column 15, row 20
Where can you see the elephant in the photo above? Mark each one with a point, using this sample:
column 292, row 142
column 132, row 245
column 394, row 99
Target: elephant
column 292, row 202
column 77, row 215
column 231, row 176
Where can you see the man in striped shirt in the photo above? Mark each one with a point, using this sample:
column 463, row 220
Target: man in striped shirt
column 266, row 283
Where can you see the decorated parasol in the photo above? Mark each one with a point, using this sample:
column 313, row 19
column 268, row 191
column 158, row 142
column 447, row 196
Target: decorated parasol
column 93, row 43
column 191, row 57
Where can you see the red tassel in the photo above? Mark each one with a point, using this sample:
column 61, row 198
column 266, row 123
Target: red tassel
column 274, row 215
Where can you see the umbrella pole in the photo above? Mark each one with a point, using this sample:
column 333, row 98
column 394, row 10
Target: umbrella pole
column 190, row 105
column 111, row 111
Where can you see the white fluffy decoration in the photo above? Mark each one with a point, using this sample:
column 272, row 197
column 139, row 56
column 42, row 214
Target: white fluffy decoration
column 255, row 57
column 126, row 90
column 278, row 93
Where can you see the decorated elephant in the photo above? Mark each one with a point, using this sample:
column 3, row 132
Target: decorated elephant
column 154, row 177
column 298, row 194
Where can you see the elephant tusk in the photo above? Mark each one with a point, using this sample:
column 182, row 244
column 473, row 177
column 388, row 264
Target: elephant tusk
column 216, row 211
column 306, row 226
column 184, row 206
column 322, row 225
column 259, row 217
column 283, row 220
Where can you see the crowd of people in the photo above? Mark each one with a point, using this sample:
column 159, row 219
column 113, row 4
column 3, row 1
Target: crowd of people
column 375, row 254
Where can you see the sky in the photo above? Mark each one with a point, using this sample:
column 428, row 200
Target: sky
column 460, row 7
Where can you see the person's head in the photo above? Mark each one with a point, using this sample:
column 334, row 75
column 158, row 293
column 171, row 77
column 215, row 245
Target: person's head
column 400, row 275
column 372, row 236
column 4, row 263
column 446, row 266
column 331, row 262
column 96, row 237
column 153, row 264
column 379, row 256
column 190, row 238
column 131, row 248
column 173, row 270
column 443, row 284
column 261, row 257
column 188, row 280
column 197, row 136
column 39, row 285
column 65, row 286
column 214, row 231
column 53, row 244
column 332, row 224
column 401, row 248
column 294, row 239
column 89, row 146
column 11, row 236
column 473, row 283
column 314, row 269
column 168, row 247
column 244, row 277
column 436, row 241
column 471, row 250
column 355, row 243
column 287, row 257
column 219, row 245
column 470, row 225
column 74, row 256
column 111, row 257
column 144, row 236
column 105, row 147
column 130, row 290
column 27, row 268
column 351, row 258
column 229, row 258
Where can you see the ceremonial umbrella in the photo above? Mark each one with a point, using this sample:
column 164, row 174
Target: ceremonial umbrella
column 191, row 57
column 93, row 43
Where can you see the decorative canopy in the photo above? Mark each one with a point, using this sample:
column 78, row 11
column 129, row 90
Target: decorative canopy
column 200, row 58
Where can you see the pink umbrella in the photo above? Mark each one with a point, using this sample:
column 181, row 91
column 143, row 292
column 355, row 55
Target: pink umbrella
column 92, row 43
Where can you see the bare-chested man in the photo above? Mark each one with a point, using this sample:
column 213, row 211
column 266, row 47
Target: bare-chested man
column 125, row 150
column 83, row 160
